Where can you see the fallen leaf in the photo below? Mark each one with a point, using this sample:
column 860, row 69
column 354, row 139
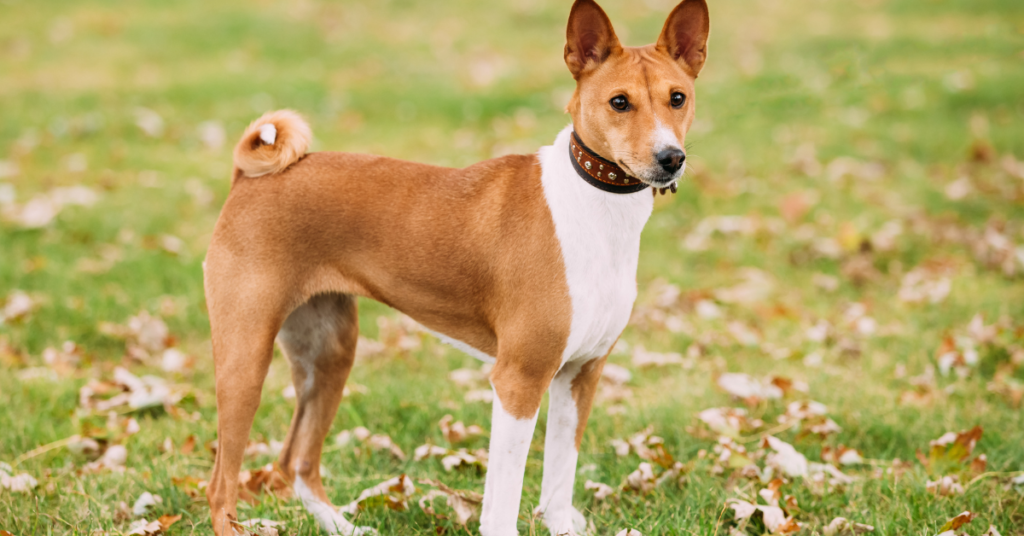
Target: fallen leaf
column 747, row 388
column 958, row 521
column 144, row 503
column 16, row 483
column 267, row 478
column 464, row 504
column 601, row 491
column 113, row 459
column 144, row 528
column 393, row 494
column 785, row 458
column 642, row 479
column 731, row 422
column 457, row 432
column 841, row 526
column 951, row 448
column 17, row 306
column 945, row 486
column 167, row 520
column 262, row 527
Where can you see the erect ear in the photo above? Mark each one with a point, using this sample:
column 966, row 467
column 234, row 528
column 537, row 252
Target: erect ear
column 589, row 38
column 685, row 35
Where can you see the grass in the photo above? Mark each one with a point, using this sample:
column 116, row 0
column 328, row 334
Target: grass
column 926, row 92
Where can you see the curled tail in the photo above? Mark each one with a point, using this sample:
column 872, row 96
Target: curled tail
column 271, row 143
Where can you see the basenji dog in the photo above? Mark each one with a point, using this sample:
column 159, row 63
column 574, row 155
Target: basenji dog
column 526, row 261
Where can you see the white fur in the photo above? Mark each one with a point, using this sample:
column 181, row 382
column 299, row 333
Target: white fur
column 268, row 133
column 560, row 457
column 469, row 350
column 503, row 487
column 599, row 233
column 664, row 138
column 330, row 519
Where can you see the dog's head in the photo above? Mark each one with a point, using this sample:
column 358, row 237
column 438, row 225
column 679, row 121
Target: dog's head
column 633, row 105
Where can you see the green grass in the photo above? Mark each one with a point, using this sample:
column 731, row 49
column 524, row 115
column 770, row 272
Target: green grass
column 909, row 85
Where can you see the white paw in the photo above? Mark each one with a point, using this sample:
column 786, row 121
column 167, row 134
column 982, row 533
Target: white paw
column 565, row 523
column 364, row 531
column 579, row 523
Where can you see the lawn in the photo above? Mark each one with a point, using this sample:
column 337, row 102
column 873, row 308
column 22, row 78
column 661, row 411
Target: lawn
column 850, row 233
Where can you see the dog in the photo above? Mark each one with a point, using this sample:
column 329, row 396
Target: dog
column 526, row 261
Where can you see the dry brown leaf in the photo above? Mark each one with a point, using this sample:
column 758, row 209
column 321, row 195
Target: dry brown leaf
column 731, row 422
column 261, row 527
column 951, row 448
column 267, row 478
column 464, row 504
column 145, row 528
column 646, row 445
column 393, row 494
column 167, row 520
column 958, row 521
column 841, row 455
column 457, row 432
column 775, row 519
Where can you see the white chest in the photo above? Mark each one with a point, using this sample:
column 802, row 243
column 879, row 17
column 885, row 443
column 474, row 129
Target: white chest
column 599, row 233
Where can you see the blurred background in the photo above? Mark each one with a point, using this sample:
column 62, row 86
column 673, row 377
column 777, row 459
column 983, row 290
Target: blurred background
column 855, row 198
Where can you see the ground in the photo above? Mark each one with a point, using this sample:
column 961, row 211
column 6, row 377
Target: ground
column 851, row 228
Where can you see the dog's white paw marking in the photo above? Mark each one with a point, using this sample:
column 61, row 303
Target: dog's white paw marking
column 571, row 523
column 268, row 133
column 579, row 523
column 329, row 518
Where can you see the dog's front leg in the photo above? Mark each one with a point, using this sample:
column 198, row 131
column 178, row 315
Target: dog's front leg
column 569, row 401
column 519, row 385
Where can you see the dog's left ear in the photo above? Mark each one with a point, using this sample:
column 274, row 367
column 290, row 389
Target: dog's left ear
column 589, row 38
column 685, row 35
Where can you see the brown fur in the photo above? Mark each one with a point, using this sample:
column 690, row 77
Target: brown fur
column 255, row 158
column 584, row 387
column 471, row 253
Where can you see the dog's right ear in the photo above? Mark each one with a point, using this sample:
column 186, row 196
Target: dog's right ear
column 589, row 38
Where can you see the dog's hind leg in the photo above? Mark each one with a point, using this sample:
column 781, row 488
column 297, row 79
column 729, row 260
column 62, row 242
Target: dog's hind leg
column 244, row 319
column 319, row 339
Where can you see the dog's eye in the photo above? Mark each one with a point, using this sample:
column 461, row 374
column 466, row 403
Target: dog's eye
column 620, row 103
column 678, row 99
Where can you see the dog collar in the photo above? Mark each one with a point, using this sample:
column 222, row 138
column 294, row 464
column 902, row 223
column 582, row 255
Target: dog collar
column 600, row 173
column 604, row 174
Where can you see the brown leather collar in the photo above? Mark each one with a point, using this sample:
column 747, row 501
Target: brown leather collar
column 604, row 174
column 600, row 173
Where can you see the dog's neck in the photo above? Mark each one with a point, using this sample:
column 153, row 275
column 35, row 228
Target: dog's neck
column 563, row 185
column 600, row 172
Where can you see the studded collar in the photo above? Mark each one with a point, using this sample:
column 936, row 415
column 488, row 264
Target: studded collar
column 600, row 173
column 604, row 174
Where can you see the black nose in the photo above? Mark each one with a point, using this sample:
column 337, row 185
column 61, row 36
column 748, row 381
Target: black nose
column 671, row 159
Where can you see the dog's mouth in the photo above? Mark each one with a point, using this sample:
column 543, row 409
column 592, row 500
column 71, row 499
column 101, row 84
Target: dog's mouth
column 657, row 179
